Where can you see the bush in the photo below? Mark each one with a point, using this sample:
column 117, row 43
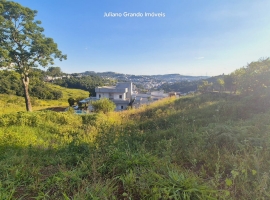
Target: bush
column 103, row 105
column 71, row 101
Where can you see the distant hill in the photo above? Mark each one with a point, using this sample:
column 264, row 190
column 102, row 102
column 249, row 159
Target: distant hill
column 148, row 82
column 160, row 76
column 179, row 75
column 186, row 85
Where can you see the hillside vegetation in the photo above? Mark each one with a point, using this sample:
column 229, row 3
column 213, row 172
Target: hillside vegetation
column 255, row 76
column 201, row 147
column 10, row 83
column 11, row 103
column 87, row 83
column 207, row 146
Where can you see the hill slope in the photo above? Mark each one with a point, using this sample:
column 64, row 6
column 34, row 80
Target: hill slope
column 12, row 103
column 208, row 146
column 211, row 146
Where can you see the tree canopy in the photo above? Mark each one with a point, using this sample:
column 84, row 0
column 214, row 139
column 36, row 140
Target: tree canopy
column 54, row 71
column 88, row 83
column 103, row 105
column 205, row 86
column 10, row 83
column 23, row 46
column 255, row 77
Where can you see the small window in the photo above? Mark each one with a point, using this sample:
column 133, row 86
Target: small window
column 99, row 95
column 122, row 107
column 120, row 96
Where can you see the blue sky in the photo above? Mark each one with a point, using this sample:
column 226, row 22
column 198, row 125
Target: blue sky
column 203, row 37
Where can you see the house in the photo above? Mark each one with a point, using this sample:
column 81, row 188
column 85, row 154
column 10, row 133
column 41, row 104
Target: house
column 51, row 78
column 140, row 99
column 47, row 78
column 157, row 95
column 121, row 94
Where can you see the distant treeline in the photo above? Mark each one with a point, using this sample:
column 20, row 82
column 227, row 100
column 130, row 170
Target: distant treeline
column 183, row 86
column 254, row 77
column 77, row 81
column 187, row 86
column 11, row 83
column 87, row 83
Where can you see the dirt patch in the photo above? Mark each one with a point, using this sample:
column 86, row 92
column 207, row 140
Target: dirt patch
column 56, row 109
column 48, row 171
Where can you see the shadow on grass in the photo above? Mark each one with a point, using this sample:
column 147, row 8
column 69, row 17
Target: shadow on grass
column 55, row 109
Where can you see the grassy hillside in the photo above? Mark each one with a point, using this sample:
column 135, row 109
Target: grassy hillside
column 13, row 103
column 210, row 146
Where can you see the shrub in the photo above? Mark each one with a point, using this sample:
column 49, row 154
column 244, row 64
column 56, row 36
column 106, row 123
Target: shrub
column 103, row 105
column 71, row 101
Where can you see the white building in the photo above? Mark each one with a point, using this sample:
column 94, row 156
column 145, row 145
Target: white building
column 157, row 95
column 121, row 94
column 148, row 98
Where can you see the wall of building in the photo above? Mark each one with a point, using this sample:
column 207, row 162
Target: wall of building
column 127, row 85
column 113, row 95
column 121, row 107
column 102, row 95
column 116, row 96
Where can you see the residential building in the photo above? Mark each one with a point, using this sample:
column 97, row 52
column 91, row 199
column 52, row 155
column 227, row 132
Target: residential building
column 121, row 94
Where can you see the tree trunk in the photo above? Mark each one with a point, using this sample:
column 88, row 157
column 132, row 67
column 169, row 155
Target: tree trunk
column 25, row 81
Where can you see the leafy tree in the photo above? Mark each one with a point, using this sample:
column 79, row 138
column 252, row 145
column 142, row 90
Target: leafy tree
column 221, row 84
column 54, row 71
column 88, row 83
column 22, row 44
column 204, row 87
column 253, row 78
column 71, row 101
column 238, row 77
column 57, row 94
column 10, row 83
column 103, row 105
column 229, row 83
column 256, row 77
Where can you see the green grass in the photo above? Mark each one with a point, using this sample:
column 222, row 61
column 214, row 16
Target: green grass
column 13, row 103
column 211, row 146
